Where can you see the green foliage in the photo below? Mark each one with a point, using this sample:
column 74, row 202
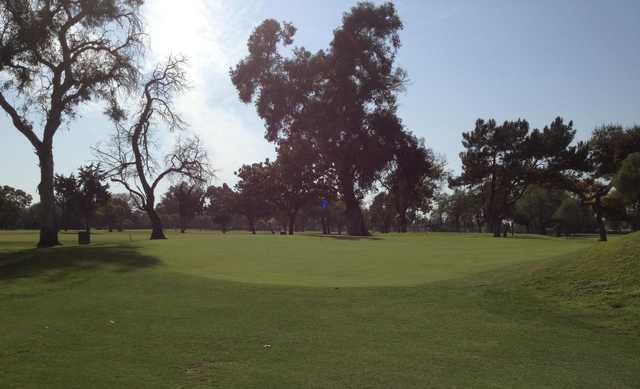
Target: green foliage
column 459, row 211
column 252, row 199
column 382, row 213
column 413, row 179
column 13, row 202
column 92, row 192
column 590, row 167
column 571, row 217
column 536, row 208
column 185, row 200
column 501, row 161
column 222, row 200
column 627, row 181
column 67, row 192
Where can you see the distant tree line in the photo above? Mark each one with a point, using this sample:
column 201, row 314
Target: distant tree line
column 547, row 193
column 345, row 160
column 542, row 181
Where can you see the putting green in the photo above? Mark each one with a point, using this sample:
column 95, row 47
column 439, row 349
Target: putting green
column 339, row 261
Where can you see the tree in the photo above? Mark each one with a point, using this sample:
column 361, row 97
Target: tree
column 222, row 200
column 57, row 55
column 572, row 217
column 116, row 211
column 92, row 193
column 187, row 200
column 343, row 100
column 130, row 156
column 67, row 192
column 30, row 217
column 627, row 184
column 12, row 203
column 382, row 212
column 501, row 161
column 535, row 209
column 494, row 162
column 296, row 178
column 590, row 167
column 627, row 180
column 252, row 193
column 458, row 211
column 413, row 179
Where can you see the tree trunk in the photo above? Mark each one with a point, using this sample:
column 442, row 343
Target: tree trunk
column 48, row 227
column 602, row 228
column 252, row 226
column 157, row 232
column 355, row 219
column 292, row 222
column 497, row 227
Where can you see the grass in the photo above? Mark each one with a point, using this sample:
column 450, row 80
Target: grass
column 393, row 311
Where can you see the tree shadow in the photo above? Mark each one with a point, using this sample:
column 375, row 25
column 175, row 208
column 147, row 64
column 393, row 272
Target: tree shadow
column 344, row 237
column 60, row 261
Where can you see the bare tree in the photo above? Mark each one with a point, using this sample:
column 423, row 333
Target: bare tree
column 132, row 156
column 54, row 56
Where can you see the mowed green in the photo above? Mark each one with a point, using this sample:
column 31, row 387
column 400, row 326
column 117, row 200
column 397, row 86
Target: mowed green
column 392, row 311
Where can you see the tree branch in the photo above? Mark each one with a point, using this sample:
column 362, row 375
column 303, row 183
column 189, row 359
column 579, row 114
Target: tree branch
column 24, row 127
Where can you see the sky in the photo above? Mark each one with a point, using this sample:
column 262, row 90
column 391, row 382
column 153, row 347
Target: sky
column 578, row 59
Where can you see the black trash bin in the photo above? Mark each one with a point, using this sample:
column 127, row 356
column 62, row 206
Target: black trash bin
column 84, row 237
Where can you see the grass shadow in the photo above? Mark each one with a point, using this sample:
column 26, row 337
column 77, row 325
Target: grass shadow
column 64, row 260
column 344, row 237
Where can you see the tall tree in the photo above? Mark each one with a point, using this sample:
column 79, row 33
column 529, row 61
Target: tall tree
column 493, row 161
column 413, row 179
column 130, row 156
column 12, row 203
column 501, row 161
column 590, row 167
column 57, row 55
column 342, row 99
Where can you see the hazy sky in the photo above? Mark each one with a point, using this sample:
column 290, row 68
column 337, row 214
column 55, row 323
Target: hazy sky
column 466, row 60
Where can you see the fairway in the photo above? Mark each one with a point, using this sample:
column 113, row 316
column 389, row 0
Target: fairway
column 390, row 311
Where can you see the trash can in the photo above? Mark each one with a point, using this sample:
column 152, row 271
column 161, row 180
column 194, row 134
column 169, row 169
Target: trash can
column 84, row 237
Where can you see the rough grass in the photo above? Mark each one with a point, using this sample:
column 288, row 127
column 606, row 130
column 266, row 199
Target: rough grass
column 601, row 283
column 423, row 310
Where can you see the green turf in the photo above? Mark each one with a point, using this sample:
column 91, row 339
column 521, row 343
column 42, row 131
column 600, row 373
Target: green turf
column 422, row 310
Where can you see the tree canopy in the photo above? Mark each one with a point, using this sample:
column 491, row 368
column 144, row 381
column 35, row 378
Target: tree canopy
column 54, row 56
column 342, row 99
